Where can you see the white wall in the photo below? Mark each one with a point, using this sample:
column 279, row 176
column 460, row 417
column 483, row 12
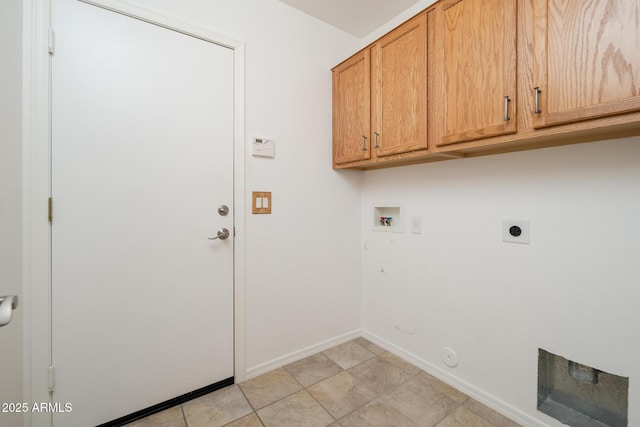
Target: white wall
column 418, row 7
column 11, row 202
column 303, row 261
column 574, row 290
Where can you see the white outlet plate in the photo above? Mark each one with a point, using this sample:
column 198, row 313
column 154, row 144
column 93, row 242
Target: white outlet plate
column 525, row 231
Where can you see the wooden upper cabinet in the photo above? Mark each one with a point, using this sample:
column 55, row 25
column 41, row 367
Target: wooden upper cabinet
column 586, row 59
column 464, row 68
column 351, row 109
column 399, row 89
column 478, row 76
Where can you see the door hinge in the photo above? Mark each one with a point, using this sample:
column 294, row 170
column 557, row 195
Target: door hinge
column 52, row 378
column 50, row 209
column 52, row 41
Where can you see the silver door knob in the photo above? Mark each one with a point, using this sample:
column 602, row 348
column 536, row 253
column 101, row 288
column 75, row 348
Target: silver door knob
column 7, row 305
column 223, row 234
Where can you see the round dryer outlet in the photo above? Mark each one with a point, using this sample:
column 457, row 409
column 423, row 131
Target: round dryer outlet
column 449, row 357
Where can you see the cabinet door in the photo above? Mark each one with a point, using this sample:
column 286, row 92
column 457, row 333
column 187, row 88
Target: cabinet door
column 479, row 69
column 351, row 109
column 587, row 59
column 399, row 88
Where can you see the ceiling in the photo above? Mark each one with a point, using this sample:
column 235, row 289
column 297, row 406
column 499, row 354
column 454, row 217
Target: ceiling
column 357, row 17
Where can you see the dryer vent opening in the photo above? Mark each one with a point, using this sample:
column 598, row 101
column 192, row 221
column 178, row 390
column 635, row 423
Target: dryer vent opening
column 579, row 395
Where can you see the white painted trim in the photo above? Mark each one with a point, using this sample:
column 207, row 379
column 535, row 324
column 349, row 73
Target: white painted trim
column 301, row 354
column 37, row 184
column 239, row 160
column 154, row 18
column 470, row 390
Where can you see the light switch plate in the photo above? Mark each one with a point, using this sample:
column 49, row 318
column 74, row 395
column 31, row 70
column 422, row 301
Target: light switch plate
column 261, row 202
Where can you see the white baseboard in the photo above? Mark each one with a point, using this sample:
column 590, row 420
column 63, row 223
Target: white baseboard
column 470, row 390
column 301, row 354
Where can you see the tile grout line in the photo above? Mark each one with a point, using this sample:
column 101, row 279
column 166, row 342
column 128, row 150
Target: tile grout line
column 275, row 401
column 308, row 392
column 378, row 395
column 306, row 388
column 343, row 371
column 255, row 411
column 375, row 356
column 448, row 414
column 184, row 416
column 303, row 388
column 335, row 420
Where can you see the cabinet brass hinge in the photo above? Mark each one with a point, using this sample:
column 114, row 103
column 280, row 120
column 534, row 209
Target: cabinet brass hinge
column 50, row 209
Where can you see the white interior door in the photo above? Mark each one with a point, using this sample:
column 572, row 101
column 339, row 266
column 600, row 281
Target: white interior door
column 12, row 408
column 142, row 158
column 11, row 341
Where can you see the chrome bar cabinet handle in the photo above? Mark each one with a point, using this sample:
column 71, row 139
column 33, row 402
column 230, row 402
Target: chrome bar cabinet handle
column 506, row 109
column 537, row 100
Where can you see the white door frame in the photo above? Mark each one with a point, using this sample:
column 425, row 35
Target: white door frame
column 37, row 185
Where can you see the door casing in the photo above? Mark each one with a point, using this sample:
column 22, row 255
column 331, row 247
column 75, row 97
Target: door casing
column 37, row 185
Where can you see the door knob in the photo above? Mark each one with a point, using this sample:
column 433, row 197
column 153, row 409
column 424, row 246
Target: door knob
column 223, row 234
column 7, row 305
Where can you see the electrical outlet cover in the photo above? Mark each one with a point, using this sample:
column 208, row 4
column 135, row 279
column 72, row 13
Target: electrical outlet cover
column 516, row 231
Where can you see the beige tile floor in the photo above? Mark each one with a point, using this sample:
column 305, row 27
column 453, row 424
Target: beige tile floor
column 351, row 385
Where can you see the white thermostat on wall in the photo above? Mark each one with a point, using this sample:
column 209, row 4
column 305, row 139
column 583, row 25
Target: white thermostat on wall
column 262, row 147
